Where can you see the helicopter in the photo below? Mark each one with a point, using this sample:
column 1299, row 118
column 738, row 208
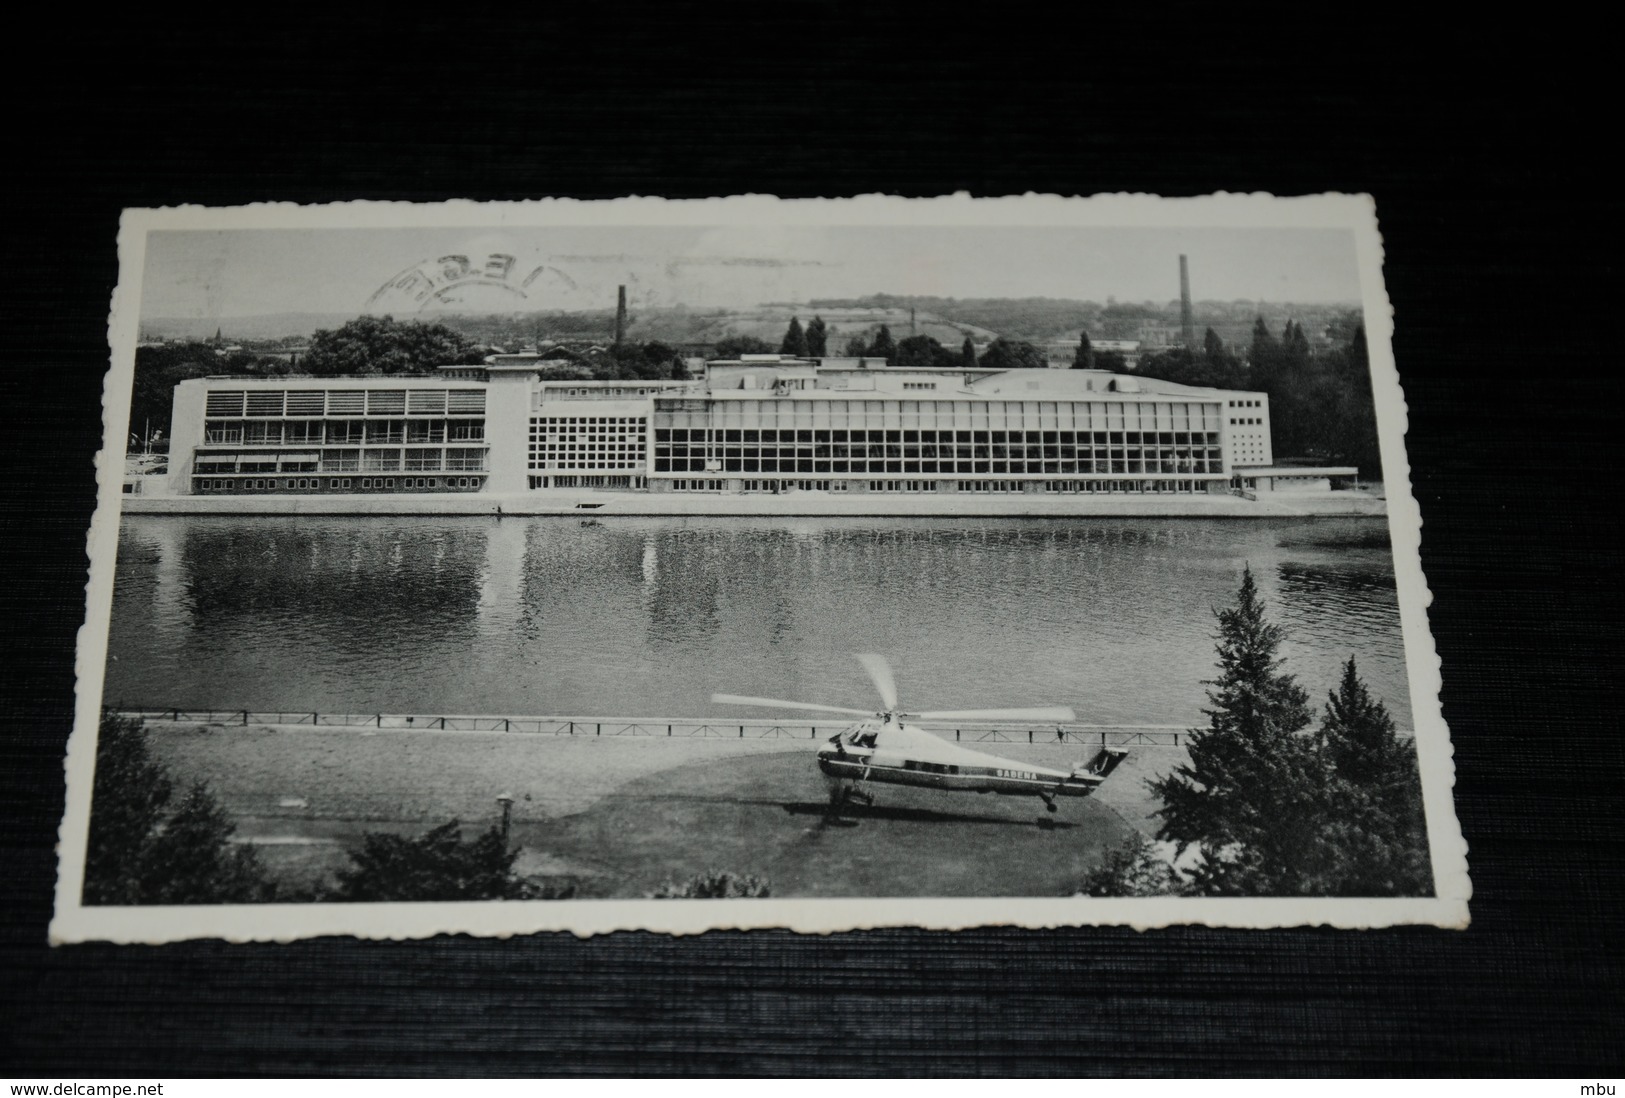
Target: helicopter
column 883, row 749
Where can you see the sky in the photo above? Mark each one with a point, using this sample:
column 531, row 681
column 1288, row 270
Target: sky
column 257, row 272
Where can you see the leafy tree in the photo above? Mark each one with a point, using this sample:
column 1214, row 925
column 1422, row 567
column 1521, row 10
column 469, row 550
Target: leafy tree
column 437, row 865
column 714, row 884
column 967, row 353
column 383, row 345
column 924, row 352
column 1212, row 367
column 795, row 340
column 1253, row 796
column 1084, row 359
column 884, row 346
column 135, row 855
column 1112, row 361
column 1135, row 869
column 564, row 370
column 1321, row 405
column 735, row 345
column 1013, row 354
column 817, row 337
column 159, row 369
column 856, row 347
column 629, row 360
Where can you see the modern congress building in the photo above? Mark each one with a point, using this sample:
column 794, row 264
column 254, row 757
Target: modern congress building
column 761, row 424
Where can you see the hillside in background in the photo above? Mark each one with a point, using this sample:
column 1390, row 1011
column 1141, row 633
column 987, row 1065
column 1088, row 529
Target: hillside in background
column 948, row 320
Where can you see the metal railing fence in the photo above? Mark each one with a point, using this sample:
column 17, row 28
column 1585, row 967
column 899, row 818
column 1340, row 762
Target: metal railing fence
column 1105, row 735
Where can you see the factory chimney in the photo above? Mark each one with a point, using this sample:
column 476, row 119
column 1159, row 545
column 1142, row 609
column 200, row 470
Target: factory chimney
column 913, row 328
column 620, row 314
column 1187, row 323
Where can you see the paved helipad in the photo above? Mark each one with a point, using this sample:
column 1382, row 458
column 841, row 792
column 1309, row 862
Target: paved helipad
column 620, row 815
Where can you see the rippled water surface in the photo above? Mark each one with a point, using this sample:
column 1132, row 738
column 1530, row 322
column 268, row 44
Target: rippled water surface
column 646, row 617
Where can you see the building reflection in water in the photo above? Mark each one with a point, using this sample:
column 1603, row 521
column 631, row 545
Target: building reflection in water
column 647, row 617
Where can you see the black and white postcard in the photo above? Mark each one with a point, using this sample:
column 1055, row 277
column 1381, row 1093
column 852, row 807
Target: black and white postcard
column 502, row 568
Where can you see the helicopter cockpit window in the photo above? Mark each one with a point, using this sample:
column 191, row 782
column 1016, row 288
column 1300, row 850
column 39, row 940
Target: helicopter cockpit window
column 863, row 737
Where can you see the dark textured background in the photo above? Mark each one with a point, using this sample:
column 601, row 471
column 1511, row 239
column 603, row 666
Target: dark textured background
column 1483, row 142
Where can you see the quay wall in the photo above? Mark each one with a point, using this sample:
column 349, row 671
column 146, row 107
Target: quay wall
column 585, row 503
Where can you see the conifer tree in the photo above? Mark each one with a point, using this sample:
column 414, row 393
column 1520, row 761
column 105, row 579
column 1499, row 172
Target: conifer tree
column 1084, row 359
column 817, row 338
column 135, row 855
column 967, row 352
column 1213, row 346
column 437, row 865
column 127, row 799
column 193, row 861
column 1264, row 357
column 1377, row 820
column 1300, row 343
column 1360, row 738
column 795, row 340
column 884, row 346
column 1253, row 795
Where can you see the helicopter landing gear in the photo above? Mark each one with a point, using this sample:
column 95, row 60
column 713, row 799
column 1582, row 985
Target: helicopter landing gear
column 857, row 795
column 1049, row 802
column 839, row 795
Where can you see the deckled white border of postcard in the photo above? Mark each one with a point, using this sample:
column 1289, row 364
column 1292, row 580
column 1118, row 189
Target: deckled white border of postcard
column 283, row 922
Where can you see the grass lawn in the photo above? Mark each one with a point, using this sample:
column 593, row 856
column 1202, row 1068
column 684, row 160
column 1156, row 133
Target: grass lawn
column 621, row 816
column 765, row 815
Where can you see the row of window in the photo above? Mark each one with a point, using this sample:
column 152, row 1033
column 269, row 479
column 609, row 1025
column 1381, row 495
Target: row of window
column 1245, row 403
column 217, row 485
column 961, row 451
column 343, row 402
column 980, row 487
column 810, row 436
column 1030, row 466
column 998, row 415
column 345, row 461
column 217, row 432
column 573, row 481
column 777, row 486
column 614, row 393
column 1244, row 421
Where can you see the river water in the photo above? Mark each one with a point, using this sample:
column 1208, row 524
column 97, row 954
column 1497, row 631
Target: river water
column 649, row 616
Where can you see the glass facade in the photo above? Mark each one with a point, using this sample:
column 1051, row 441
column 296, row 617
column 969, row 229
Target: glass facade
column 397, row 430
column 940, row 438
column 588, row 442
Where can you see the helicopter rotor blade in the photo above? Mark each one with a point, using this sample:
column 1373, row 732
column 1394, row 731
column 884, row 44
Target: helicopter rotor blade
column 880, row 671
column 779, row 703
column 1045, row 713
